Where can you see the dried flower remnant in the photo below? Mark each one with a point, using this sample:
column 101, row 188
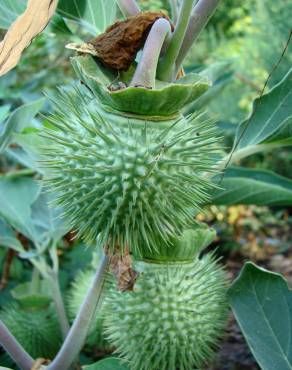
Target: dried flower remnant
column 117, row 47
column 121, row 268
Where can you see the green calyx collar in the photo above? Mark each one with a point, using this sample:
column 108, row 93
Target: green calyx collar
column 185, row 247
column 165, row 101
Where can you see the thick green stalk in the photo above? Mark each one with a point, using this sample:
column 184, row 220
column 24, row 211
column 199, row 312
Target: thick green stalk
column 78, row 332
column 174, row 10
column 146, row 70
column 166, row 67
column 14, row 349
column 51, row 274
column 59, row 304
column 128, row 7
column 201, row 14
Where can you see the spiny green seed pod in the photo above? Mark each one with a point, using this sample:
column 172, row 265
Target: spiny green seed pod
column 173, row 317
column 76, row 297
column 127, row 181
column 36, row 330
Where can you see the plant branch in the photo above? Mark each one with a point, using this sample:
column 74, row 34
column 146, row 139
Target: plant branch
column 166, row 67
column 14, row 349
column 128, row 7
column 174, row 10
column 59, row 303
column 201, row 14
column 145, row 73
column 78, row 332
column 51, row 274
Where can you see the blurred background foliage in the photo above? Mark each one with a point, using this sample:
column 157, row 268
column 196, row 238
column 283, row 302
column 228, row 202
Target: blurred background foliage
column 252, row 34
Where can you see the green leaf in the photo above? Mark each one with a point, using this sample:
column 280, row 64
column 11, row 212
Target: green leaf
column 5, row 229
column 220, row 74
column 8, row 237
column 249, row 186
column 16, row 197
column 107, row 364
column 271, row 114
column 10, row 10
column 94, row 15
column 59, row 25
column 22, row 157
column 47, row 220
column 284, row 135
column 18, row 119
column 4, row 111
column 26, row 209
column 262, row 304
column 11, row 242
column 27, row 151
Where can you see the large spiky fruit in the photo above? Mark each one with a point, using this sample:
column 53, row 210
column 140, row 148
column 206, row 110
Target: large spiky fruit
column 173, row 317
column 127, row 181
column 76, row 297
column 37, row 330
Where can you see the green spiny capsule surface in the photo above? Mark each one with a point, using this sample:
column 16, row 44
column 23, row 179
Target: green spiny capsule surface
column 36, row 330
column 173, row 317
column 76, row 297
column 127, row 181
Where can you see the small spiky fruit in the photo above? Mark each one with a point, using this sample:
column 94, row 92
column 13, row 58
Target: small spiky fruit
column 37, row 330
column 173, row 317
column 76, row 297
column 127, row 181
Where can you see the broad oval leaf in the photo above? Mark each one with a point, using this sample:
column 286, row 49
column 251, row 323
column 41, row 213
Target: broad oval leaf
column 262, row 304
column 250, row 186
column 4, row 112
column 8, row 237
column 107, row 364
column 47, row 220
column 270, row 114
column 94, row 15
column 283, row 136
column 11, row 243
column 16, row 197
column 18, row 120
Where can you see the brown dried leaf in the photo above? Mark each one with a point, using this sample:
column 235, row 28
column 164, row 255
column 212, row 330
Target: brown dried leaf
column 121, row 268
column 118, row 46
column 26, row 27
